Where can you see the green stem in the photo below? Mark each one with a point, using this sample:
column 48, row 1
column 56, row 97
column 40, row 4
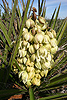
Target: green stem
column 31, row 93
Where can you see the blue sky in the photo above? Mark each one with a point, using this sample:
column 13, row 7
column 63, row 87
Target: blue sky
column 50, row 6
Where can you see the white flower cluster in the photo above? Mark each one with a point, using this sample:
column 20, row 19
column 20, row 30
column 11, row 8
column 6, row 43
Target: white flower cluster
column 35, row 51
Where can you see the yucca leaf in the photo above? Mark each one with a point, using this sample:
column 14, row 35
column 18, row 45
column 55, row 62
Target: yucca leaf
column 63, row 61
column 31, row 93
column 13, row 31
column 52, row 18
column 41, row 6
column 44, row 10
column 57, row 77
column 62, row 25
column 2, row 38
column 23, row 4
column 53, row 96
column 57, row 82
column 5, row 32
column 16, row 48
column 61, row 98
column 19, row 14
column 5, row 6
column 12, row 18
column 56, row 17
column 9, row 92
column 30, row 8
column 17, row 65
column 63, row 41
column 2, row 72
column 3, row 58
column 61, row 34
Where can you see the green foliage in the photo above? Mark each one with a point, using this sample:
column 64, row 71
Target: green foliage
column 11, row 26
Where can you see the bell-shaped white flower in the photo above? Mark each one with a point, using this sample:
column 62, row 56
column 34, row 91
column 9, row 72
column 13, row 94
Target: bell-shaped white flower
column 38, row 38
column 47, row 47
column 33, row 57
column 50, row 34
column 42, row 51
column 47, row 64
column 30, row 69
column 24, row 76
column 44, row 72
column 38, row 76
column 48, row 57
column 44, row 27
column 31, row 49
column 36, row 81
column 20, row 60
column 24, row 60
column 28, row 23
column 38, row 65
column 22, row 52
column 29, row 83
column 41, row 20
column 46, row 39
column 31, row 74
column 53, row 42
column 54, row 33
column 36, row 46
column 53, row 50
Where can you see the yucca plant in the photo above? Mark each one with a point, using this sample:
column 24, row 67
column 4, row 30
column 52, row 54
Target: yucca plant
column 30, row 48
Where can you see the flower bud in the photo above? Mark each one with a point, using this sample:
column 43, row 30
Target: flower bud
column 33, row 31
